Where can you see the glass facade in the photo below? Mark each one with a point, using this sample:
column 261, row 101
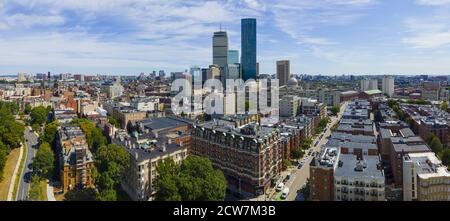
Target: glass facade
column 248, row 48
column 233, row 56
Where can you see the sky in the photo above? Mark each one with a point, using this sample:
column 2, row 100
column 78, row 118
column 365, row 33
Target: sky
column 134, row 36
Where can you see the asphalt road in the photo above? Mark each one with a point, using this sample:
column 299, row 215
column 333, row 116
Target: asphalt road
column 31, row 141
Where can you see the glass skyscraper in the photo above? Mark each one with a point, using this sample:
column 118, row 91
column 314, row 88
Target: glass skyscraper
column 248, row 48
column 233, row 56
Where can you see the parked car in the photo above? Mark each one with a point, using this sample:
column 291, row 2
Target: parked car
column 285, row 193
column 280, row 187
column 300, row 166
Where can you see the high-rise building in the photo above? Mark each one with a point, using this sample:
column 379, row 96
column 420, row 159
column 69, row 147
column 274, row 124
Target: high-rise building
column 388, row 85
column 248, row 48
column 233, row 56
column 21, row 77
column 220, row 49
column 283, row 72
column 369, row 84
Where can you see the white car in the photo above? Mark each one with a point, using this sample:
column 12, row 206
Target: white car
column 280, row 187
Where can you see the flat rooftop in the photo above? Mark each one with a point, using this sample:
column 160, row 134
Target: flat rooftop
column 429, row 165
column 350, row 166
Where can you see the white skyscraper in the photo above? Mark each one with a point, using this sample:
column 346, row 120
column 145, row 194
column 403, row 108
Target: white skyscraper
column 369, row 84
column 388, row 85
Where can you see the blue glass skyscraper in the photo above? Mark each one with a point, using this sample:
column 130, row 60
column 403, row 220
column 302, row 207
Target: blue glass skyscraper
column 248, row 48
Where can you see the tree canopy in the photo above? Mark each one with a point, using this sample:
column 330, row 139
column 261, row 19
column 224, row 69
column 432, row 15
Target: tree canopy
column 11, row 131
column 44, row 159
column 94, row 135
column 335, row 109
column 194, row 180
column 38, row 115
column 111, row 162
column 50, row 131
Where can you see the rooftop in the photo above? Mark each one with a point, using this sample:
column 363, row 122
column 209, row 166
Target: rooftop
column 429, row 164
column 350, row 166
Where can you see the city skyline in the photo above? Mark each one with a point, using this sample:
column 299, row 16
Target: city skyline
column 318, row 37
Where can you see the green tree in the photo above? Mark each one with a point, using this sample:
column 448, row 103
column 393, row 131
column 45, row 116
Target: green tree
column 3, row 157
column 50, row 131
column 297, row 153
column 335, row 109
column 38, row 115
column 114, row 121
column 35, row 189
column 436, row 145
column 445, row 157
column 81, row 194
column 44, row 159
column 28, row 109
column 444, row 106
column 286, row 164
column 111, row 161
column 194, row 180
column 94, row 135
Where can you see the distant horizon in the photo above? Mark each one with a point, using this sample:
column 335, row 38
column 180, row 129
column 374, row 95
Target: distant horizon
column 168, row 74
column 323, row 36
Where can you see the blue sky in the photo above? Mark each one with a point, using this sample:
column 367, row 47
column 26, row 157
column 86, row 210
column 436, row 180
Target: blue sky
column 133, row 36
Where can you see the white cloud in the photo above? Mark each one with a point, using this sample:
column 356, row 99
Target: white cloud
column 433, row 2
column 428, row 33
column 34, row 20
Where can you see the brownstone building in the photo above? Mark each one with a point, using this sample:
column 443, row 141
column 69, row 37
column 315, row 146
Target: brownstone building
column 249, row 155
column 75, row 159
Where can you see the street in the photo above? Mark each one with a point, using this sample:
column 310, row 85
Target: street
column 300, row 176
column 31, row 141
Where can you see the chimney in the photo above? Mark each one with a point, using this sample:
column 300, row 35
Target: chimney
column 163, row 148
column 169, row 141
column 136, row 155
column 181, row 143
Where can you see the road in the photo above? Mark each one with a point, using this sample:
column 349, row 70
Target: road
column 300, row 176
column 31, row 141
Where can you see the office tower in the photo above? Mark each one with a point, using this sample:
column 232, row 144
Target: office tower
column 162, row 74
column 220, row 49
column 204, row 74
column 48, row 76
column 233, row 56
column 248, row 48
column 213, row 72
column 21, row 77
column 283, row 72
column 369, row 84
column 196, row 74
column 388, row 85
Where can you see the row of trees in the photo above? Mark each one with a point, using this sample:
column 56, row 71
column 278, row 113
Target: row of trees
column 11, row 131
column 322, row 125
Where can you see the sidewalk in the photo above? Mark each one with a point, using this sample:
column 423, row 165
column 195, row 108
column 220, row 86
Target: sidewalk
column 50, row 193
column 15, row 174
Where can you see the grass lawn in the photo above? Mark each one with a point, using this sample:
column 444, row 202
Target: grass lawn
column 8, row 171
column 43, row 192
column 19, row 172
